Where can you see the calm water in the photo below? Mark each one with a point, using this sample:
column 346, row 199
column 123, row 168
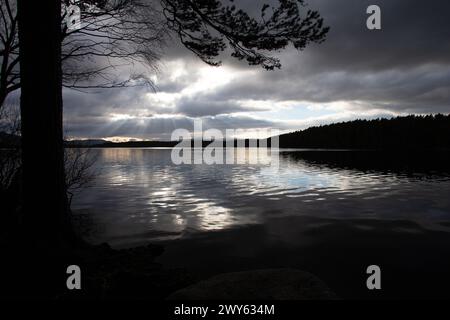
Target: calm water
column 332, row 213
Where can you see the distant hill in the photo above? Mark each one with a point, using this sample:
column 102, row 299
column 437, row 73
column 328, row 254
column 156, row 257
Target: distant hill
column 156, row 144
column 100, row 143
column 411, row 132
column 141, row 144
column 85, row 143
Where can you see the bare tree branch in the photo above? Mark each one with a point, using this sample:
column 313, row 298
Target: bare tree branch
column 113, row 33
column 79, row 171
column 132, row 33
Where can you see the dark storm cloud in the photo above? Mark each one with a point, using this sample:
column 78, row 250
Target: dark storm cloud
column 406, row 64
column 413, row 33
column 403, row 68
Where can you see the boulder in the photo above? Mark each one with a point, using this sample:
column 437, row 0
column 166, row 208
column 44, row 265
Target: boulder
column 267, row 284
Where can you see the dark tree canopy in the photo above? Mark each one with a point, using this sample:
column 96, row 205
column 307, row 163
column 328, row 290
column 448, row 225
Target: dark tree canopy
column 206, row 27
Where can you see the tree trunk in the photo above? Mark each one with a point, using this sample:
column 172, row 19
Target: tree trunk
column 45, row 211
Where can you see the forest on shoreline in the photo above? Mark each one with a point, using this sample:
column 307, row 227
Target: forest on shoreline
column 410, row 132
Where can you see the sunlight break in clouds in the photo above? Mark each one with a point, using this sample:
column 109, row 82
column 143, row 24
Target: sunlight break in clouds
column 355, row 73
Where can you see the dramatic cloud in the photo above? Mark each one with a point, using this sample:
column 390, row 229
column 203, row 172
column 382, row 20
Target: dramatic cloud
column 356, row 73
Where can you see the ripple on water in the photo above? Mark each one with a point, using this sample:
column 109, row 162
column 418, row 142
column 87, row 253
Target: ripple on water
column 142, row 192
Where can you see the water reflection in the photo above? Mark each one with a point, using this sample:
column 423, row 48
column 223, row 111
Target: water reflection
column 140, row 195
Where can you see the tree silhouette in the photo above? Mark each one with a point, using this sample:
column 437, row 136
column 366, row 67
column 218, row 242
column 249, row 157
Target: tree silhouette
column 44, row 205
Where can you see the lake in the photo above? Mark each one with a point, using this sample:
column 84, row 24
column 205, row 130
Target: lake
column 332, row 213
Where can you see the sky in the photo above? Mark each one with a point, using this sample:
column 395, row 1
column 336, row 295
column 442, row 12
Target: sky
column 356, row 73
